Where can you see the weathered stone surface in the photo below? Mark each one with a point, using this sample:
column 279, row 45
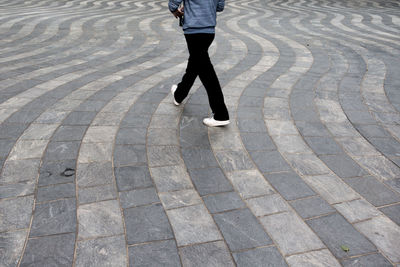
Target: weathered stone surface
column 223, row 202
column 160, row 253
column 138, row 197
column 393, row 212
column 171, row 178
column 210, row 180
column 289, row 185
column 193, row 225
column 11, row 245
column 367, row 260
column 132, row 177
column 311, row 207
column 55, row 192
column 97, row 193
column 250, row 183
column 15, row 213
column 269, row 257
column 267, row 205
column 320, row 258
column 357, row 210
column 178, row 199
column 209, row 254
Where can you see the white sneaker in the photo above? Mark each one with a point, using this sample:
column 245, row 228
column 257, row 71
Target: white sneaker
column 173, row 89
column 211, row 122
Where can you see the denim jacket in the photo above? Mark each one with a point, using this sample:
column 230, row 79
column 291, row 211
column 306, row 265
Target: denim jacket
column 200, row 16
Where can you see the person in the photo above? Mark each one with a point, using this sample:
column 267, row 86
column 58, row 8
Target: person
column 199, row 21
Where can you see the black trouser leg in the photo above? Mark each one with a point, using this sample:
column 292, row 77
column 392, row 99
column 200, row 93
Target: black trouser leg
column 199, row 64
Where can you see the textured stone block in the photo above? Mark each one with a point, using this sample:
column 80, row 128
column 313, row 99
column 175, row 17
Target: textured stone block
column 269, row 257
column 138, row 197
column 55, row 192
column 97, row 193
column 132, row 155
column 393, row 212
column 178, row 199
column 250, row 183
column 163, row 156
column 241, row 230
column 210, row 254
column 342, row 165
column 269, row 161
column 57, row 172
column 311, row 207
column 367, row 260
column 267, row 205
column 357, row 210
column 94, row 173
column 132, row 177
column 210, row 180
column 320, row 258
column 69, row 133
column 162, row 253
column 28, row 149
column 19, row 170
column 171, row 178
column 131, row 136
column 199, row 158
column 57, row 151
column 257, row 141
column 193, row 225
column 223, row 202
column 15, row 213
column 234, row 160
column 11, row 245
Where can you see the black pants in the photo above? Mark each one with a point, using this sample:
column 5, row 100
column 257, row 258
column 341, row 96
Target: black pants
column 199, row 64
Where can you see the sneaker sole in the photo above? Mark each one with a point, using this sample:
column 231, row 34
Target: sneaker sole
column 173, row 89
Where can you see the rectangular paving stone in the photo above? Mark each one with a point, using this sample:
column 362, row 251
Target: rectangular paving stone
column 94, row 173
column 323, row 145
column 384, row 233
column 367, row 260
column 393, row 212
column 223, row 202
column 234, row 160
column 80, row 118
column 163, row 155
column 250, row 183
column 171, row 178
column 289, row 185
column 225, row 140
column 269, row 161
column 319, row 258
column 209, row 254
column 28, row 149
column 267, row 256
column 134, row 120
column 39, row 132
column 357, row 210
column 56, row 250
column 18, row 189
column 109, row 251
column 11, row 130
column 161, row 253
column 193, row 225
column 54, row 172
column 5, row 147
column 241, row 230
column 331, row 188
column 307, row 164
column 11, row 245
column 131, row 136
column 290, row 233
column 24, row 116
column 58, row 151
column 54, row 218
column 253, row 125
column 69, row 133
column 132, row 177
column 291, row 144
column 96, row 193
column 307, row 128
column 178, row 199
column 199, row 158
column 311, row 207
column 371, row 130
column 257, row 141
column 162, row 137
column 164, row 121
column 210, row 180
column 147, row 223
column 99, row 219
column 335, row 231
column 15, row 213
column 138, row 197
column 133, row 155
column 267, row 205
column 342, row 165
column 55, row 192
column 373, row 190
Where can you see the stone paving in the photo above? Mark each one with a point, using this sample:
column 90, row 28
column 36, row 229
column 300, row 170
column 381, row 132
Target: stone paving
column 99, row 168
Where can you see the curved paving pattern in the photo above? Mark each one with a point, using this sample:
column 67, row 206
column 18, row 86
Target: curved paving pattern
column 99, row 168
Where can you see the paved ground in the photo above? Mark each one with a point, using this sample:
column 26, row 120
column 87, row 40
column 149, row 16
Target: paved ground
column 99, row 168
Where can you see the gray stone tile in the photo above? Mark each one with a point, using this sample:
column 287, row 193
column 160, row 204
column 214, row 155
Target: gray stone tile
column 58, row 151
column 5, row 147
column 290, row 233
column 163, row 155
column 193, row 225
column 134, row 120
column 129, row 155
column 69, row 133
column 131, row 177
column 18, row 189
column 289, row 185
column 99, row 219
column 257, row 141
column 371, row 130
column 194, row 138
column 138, row 197
column 268, row 257
column 342, row 165
column 11, row 131
column 266, row 205
column 164, row 121
column 28, row 149
column 162, row 253
column 147, row 223
column 131, row 136
column 367, row 261
column 16, row 213
column 55, row 250
column 94, row 173
column 388, row 146
column 269, row 161
column 209, row 181
column 373, row 190
column 234, row 160
column 360, row 117
column 108, row 251
column 97, row 193
column 210, row 254
column 54, row 218
column 241, row 230
column 250, row 183
column 55, row 192
column 171, row 178
column 11, row 245
column 307, row 164
column 251, row 125
column 57, row 172
column 179, row 199
column 162, row 137
column 24, row 116
column 323, row 145
column 394, row 184
column 335, row 231
column 311, row 207
column 357, row 210
column 393, row 212
column 318, row 258
column 80, row 118
column 223, row 202
column 199, row 158
column 312, row 128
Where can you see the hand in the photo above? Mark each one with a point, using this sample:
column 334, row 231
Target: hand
column 178, row 13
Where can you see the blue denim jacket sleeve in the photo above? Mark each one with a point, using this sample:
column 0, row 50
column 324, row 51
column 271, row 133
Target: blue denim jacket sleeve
column 174, row 4
column 220, row 5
